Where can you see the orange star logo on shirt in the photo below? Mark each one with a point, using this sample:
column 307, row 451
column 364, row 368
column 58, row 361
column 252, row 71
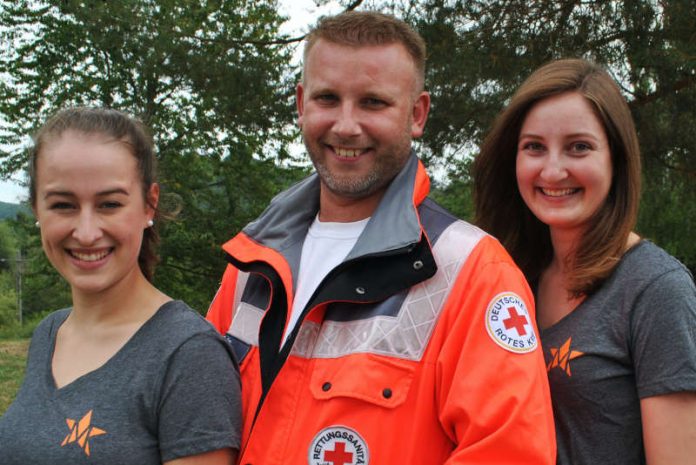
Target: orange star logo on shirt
column 81, row 431
column 562, row 357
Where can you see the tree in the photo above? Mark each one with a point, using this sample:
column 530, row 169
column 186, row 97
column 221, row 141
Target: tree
column 43, row 290
column 7, row 245
column 480, row 51
column 208, row 77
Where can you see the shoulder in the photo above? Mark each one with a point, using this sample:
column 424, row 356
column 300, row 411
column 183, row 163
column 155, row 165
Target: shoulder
column 445, row 230
column 51, row 322
column 44, row 334
column 654, row 289
column 646, row 264
column 176, row 332
column 195, row 346
column 175, row 323
column 178, row 315
column 463, row 249
column 646, row 250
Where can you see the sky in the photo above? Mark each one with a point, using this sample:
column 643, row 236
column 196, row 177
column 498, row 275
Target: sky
column 301, row 14
column 12, row 192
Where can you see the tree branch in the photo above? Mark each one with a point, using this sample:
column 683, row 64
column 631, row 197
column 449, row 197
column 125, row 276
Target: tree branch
column 681, row 84
column 187, row 270
column 287, row 41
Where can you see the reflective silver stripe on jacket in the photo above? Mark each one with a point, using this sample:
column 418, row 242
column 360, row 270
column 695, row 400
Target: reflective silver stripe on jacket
column 405, row 335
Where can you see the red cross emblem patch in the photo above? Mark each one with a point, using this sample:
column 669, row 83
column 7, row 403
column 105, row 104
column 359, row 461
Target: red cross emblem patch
column 509, row 324
column 338, row 445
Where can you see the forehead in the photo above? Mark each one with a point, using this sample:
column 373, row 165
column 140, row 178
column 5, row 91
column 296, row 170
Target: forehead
column 73, row 142
column 78, row 154
column 330, row 62
column 569, row 109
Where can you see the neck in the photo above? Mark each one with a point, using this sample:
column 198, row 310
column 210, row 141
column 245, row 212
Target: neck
column 133, row 300
column 564, row 244
column 338, row 209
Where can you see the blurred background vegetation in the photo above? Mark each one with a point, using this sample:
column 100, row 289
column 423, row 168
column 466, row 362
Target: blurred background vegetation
column 214, row 81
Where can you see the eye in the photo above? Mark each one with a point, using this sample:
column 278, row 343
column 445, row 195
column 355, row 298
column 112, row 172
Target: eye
column 326, row 99
column 110, row 205
column 373, row 102
column 61, row 206
column 533, row 146
column 580, row 147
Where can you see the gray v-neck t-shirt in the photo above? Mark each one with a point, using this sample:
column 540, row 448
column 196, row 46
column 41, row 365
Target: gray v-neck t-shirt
column 633, row 338
column 171, row 391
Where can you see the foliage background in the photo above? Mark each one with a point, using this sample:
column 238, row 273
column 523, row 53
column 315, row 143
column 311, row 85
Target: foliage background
column 214, row 81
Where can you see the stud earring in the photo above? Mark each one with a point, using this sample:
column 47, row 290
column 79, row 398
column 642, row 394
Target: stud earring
column 150, row 223
column 37, row 224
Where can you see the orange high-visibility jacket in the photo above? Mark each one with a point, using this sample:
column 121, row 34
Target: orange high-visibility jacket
column 419, row 349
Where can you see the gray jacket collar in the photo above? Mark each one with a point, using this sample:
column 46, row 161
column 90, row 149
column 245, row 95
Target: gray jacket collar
column 393, row 226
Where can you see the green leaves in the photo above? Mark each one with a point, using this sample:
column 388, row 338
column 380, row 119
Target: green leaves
column 481, row 50
column 207, row 76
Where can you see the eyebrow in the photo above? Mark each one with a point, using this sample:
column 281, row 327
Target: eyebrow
column 117, row 190
column 567, row 136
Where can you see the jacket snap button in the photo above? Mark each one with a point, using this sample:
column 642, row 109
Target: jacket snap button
column 387, row 393
column 360, row 290
column 417, row 265
column 326, row 386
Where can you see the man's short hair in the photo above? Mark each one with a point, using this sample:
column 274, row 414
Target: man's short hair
column 361, row 28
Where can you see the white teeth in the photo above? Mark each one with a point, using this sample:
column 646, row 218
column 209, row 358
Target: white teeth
column 90, row 257
column 347, row 153
column 558, row 192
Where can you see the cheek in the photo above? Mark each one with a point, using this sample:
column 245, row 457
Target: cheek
column 398, row 122
column 600, row 176
column 50, row 246
column 44, row 244
column 132, row 234
column 316, row 117
column 525, row 174
column 51, row 232
column 522, row 170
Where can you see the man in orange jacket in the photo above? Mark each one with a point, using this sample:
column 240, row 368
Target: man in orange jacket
column 371, row 325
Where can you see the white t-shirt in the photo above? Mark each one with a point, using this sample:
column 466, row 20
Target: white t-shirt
column 326, row 246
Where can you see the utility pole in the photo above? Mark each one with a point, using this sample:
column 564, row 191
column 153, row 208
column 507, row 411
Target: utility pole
column 19, row 270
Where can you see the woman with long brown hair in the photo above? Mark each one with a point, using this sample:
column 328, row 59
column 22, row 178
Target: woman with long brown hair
column 558, row 182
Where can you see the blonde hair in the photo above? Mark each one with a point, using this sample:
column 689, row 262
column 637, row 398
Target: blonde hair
column 361, row 28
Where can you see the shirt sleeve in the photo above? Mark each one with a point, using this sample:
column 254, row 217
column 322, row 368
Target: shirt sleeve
column 200, row 404
column 663, row 341
column 494, row 396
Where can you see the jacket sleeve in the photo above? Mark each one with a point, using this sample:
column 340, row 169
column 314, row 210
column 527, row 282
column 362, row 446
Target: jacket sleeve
column 222, row 307
column 493, row 394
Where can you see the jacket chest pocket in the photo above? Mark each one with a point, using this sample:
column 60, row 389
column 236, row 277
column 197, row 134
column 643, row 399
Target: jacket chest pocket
column 375, row 379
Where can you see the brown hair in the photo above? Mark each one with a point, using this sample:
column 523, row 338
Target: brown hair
column 500, row 209
column 361, row 28
column 122, row 128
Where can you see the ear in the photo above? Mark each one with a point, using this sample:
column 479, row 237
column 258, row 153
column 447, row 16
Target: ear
column 152, row 200
column 421, row 108
column 299, row 95
column 36, row 217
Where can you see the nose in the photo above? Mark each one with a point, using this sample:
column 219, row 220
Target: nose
column 88, row 229
column 554, row 168
column 347, row 122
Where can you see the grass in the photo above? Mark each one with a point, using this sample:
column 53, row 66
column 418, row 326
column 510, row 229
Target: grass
column 13, row 359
